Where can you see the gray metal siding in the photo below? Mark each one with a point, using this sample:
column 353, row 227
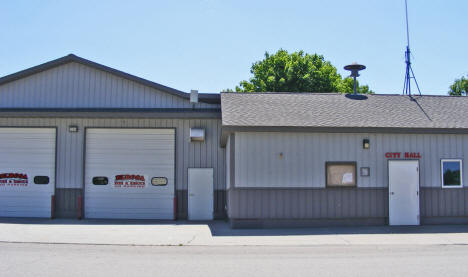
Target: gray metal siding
column 307, row 203
column 228, row 164
column 74, row 85
column 258, row 162
column 188, row 154
column 438, row 202
column 66, row 203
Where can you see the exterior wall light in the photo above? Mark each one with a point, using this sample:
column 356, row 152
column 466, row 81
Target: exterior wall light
column 365, row 144
column 72, row 128
column 197, row 134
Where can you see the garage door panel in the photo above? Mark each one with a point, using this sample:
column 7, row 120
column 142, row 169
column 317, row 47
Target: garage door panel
column 105, row 195
column 129, row 165
column 129, row 158
column 112, row 193
column 130, row 215
column 129, row 203
column 113, row 213
column 23, row 200
column 147, row 145
column 21, row 212
column 24, row 154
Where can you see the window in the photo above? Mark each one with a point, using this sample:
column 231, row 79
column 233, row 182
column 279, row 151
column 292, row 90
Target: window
column 41, row 180
column 100, row 181
column 451, row 171
column 340, row 174
column 159, row 181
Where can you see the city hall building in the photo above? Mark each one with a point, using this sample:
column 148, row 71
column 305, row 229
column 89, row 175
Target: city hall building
column 81, row 140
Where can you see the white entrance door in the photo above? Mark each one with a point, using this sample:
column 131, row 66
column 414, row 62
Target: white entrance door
column 403, row 183
column 27, row 172
column 200, row 193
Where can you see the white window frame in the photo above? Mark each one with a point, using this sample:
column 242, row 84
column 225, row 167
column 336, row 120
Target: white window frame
column 442, row 172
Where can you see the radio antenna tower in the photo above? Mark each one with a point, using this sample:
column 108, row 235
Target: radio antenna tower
column 409, row 70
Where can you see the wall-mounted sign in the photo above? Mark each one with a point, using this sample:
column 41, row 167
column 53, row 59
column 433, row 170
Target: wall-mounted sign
column 405, row 155
column 13, row 179
column 129, row 181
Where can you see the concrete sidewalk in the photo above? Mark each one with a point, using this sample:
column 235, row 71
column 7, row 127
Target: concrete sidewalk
column 218, row 233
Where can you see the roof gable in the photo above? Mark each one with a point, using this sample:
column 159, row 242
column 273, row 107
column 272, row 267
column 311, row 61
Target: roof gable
column 74, row 82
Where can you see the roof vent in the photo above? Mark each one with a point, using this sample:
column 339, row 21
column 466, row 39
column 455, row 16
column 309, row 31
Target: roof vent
column 194, row 96
column 355, row 68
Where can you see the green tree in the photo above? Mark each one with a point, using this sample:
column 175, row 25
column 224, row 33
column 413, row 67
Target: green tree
column 459, row 87
column 347, row 86
column 296, row 72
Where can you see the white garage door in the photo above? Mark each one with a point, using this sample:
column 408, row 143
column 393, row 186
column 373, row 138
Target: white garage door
column 129, row 173
column 27, row 171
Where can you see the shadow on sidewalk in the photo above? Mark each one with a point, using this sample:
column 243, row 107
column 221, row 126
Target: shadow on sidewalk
column 226, row 231
column 222, row 228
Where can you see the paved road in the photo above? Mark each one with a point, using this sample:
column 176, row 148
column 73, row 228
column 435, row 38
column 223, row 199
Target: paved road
column 26, row 259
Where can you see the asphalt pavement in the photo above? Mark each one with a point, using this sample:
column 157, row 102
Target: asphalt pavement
column 59, row 247
column 39, row 259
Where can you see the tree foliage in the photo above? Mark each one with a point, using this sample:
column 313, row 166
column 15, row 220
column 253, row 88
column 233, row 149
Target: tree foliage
column 459, row 87
column 296, row 72
column 347, row 86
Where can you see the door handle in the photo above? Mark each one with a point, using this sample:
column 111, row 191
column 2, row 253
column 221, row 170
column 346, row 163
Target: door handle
column 191, row 194
column 392, row 193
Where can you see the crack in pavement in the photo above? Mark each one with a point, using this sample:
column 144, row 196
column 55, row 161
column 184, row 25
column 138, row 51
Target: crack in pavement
column 190, row 241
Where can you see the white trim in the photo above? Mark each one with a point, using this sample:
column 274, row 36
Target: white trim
column 442, row 172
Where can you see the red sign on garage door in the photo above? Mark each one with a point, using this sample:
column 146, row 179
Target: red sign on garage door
column 129, row 181
column 13, row 179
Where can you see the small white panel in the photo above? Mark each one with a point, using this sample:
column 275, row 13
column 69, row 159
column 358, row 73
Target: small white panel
column 200, row 193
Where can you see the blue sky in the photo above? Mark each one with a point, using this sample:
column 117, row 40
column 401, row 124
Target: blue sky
column 210, row 44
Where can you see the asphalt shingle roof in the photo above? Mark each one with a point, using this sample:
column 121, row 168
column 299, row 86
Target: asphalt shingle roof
column 338, row 110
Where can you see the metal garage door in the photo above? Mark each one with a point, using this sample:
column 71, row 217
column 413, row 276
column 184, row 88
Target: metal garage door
column 129, row 173
column 27, row 171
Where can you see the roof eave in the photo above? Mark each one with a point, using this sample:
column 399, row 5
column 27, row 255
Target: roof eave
column 228, row 129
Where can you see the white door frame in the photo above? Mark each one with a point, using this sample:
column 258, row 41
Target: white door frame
column 390, row 189
column 208, row 195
